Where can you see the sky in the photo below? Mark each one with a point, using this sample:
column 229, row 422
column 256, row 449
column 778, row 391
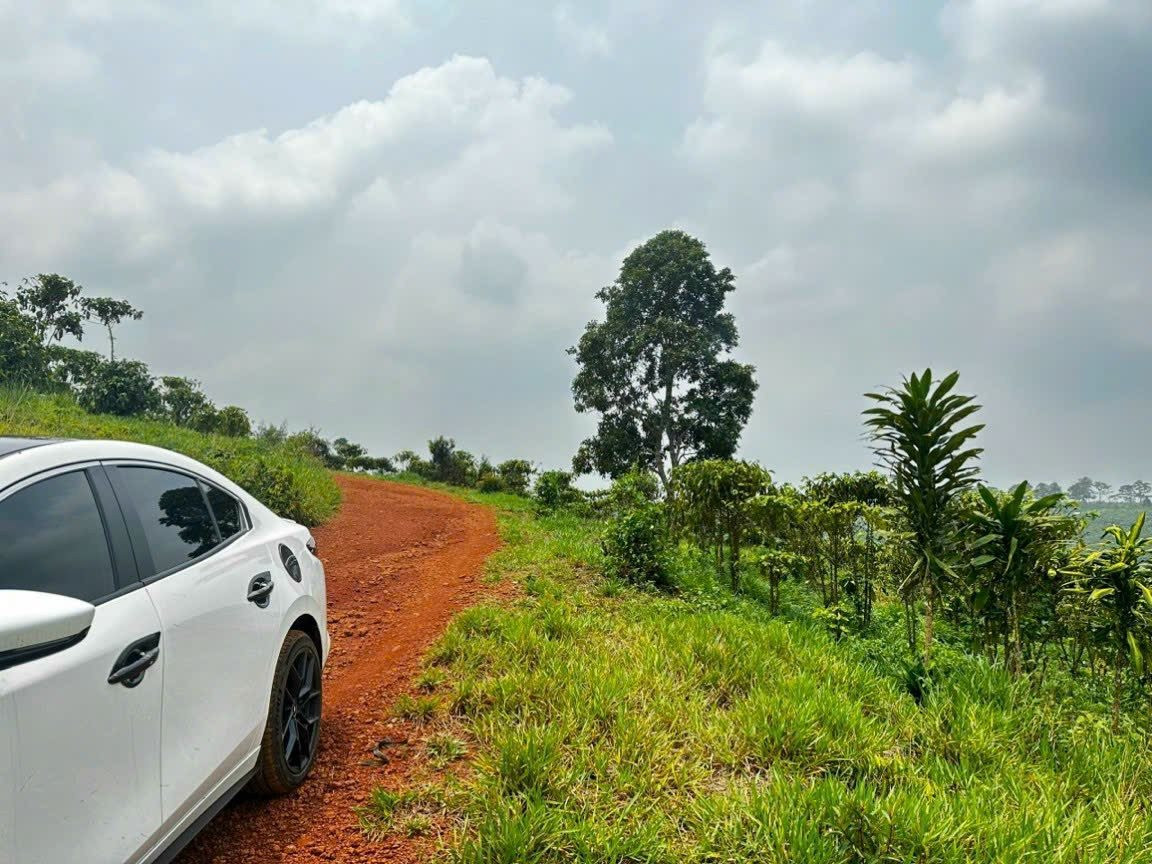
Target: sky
column 388, row 219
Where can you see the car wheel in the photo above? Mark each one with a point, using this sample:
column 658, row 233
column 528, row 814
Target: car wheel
column 292, row 732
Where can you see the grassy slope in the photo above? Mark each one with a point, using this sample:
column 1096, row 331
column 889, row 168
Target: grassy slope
column 290, row 482
column 610, row 725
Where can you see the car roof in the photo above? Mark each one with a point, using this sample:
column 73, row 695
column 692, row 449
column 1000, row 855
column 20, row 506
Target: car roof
column 9, row 446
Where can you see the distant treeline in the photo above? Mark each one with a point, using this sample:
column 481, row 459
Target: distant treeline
column 1089, row 491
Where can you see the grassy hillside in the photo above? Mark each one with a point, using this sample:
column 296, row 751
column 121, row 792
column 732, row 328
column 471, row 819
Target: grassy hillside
column 606, row 724
column 291, row 482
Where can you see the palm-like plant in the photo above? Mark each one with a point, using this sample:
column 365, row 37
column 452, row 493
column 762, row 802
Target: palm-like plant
column 1113, row 583
column 1018, row 540
column 917, row 435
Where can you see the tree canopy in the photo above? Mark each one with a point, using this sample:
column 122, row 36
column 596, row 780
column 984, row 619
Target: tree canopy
column 657, row 368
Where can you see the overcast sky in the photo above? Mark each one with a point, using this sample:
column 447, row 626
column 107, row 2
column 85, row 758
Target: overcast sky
column 388, row 218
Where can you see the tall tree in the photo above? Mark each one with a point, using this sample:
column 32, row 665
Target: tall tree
column 917, row 436
column 109, row 312
column 1101, row 491
column 657, row 368
column 1082, row 489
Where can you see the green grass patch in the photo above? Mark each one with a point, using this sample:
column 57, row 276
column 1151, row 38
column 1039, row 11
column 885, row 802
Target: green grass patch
column 608, row 724
column 289, row 481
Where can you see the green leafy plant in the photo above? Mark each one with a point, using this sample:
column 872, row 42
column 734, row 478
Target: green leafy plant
column 1114, row 584
column 917, row 434
column 710, row 500
column 636, row 547
column 1015, row 543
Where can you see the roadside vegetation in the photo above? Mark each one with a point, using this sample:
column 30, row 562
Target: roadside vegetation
column 707, row 665
column 284, row 475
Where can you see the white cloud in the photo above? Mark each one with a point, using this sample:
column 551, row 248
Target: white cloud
column 455, row 139
column 584, row 38
column 817, row 86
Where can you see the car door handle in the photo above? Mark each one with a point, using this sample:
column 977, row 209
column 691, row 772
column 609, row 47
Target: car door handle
column 260, row 588
column 135, row 660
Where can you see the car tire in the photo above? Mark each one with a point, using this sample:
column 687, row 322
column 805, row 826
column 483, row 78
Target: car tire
column 292, row 732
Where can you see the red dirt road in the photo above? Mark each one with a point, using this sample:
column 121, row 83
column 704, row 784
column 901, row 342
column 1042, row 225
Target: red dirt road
column 400, row 562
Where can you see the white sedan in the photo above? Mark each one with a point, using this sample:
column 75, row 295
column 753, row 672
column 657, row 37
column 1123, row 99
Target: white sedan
column 162, row 639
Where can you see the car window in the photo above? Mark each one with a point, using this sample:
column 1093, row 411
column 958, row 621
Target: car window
column 226, row 509
column 175, row 519
column 52, row 539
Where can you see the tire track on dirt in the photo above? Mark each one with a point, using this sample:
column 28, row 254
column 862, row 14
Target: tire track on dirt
column 400, row 562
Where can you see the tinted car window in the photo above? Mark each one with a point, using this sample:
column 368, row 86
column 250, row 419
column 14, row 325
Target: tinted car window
column 226, row 509
column 176, row 521
column 52, row 539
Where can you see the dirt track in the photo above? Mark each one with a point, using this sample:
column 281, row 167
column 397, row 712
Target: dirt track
column 400, row 561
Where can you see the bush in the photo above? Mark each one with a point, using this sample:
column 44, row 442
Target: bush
column 120, row 387
column 636, row 546
column 516, row 475
column 490, row 483
column 554, row 491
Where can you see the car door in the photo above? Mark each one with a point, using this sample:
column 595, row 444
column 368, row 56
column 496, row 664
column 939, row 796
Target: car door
column 210, row 580
column 79, row 753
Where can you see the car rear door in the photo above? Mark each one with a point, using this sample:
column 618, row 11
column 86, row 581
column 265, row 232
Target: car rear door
column 79, row 754
column 210, row 579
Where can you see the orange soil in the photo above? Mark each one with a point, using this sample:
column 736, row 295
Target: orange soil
column 400, row 562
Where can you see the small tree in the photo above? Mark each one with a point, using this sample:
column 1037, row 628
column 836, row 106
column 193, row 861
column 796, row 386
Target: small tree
column 710, row 498
column 917, row 435
column 1015, row 541
column 773, row 518
column 109, row 312
column 554, row 491
column 232, row 420
column 516, row 475
column 1112, row 584
column 656, row 369
column 183, row 399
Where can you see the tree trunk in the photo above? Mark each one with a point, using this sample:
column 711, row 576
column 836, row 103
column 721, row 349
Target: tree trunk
column 1014, row 664
column 111, row 346
column 929, row 630
column 1117, row 685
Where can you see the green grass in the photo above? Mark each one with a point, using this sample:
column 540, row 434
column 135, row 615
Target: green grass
column 290, row 482
column 608, row 724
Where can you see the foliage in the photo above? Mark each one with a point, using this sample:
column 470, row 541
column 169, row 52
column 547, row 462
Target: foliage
column 120, row 387
column 656, row 369
column 183, row 400
column 282, row 475
column 23, row 359
column 51, row 303
column 232, row 420
column 516, row 475
column 109, row 312
column 917, row 436
column 1016, row 542
column 1114, row 586
column 709, row 499
column 554, row 491
column 636, row 547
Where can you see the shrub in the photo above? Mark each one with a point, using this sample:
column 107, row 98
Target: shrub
column 554, row 490
column 516, row 475
column 490, row 483
column 120, row 387
column 636, row 547
column 232, row 420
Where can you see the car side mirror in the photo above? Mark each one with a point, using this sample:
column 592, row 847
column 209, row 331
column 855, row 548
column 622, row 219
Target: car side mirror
column 34, row 624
